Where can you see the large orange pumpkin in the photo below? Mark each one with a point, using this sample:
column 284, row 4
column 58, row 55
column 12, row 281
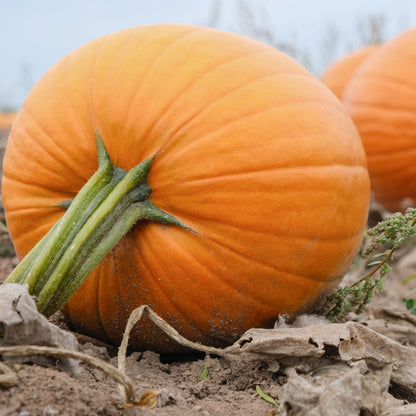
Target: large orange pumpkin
column 253, row 153
column 338, row 75
column 381, row 99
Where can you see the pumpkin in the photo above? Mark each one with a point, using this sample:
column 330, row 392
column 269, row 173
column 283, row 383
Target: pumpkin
column 252, row 153
column 337, row 75
column 381, row 101
column 6, row 119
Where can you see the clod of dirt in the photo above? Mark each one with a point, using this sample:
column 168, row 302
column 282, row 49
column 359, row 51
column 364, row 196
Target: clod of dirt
column 22, row 324
column 338, row 390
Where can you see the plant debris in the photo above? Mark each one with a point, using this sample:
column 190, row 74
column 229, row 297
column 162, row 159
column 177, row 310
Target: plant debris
column 21, row 324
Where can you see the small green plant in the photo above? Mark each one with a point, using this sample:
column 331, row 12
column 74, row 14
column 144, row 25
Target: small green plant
column 265, row 396
column 204, row 373
column 390, row 233
column 410, row 305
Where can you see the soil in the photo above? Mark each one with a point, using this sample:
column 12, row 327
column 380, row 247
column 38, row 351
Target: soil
column 228, row 389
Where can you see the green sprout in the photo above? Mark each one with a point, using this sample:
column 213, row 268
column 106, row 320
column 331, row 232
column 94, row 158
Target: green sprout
column 410, row 305
column 265, row 396
column 204, row 373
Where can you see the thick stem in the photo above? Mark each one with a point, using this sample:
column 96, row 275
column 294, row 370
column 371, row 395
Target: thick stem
column 43, row 254
column 104, row 210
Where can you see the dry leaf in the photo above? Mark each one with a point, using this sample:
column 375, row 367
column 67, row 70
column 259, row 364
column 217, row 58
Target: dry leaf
column 338, row 390
column 155, row 398
column 148, row 399
column 8, row 378
column 22, row 324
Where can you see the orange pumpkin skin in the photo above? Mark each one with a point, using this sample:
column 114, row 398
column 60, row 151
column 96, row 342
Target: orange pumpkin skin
column 254, row 154
column 338, row 75
column 381, row 101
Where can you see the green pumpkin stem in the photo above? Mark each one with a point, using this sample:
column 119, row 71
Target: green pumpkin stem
column 103, row 211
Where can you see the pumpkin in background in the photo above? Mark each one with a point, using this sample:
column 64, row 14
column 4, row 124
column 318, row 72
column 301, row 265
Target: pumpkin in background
column 337, row 75
column 253, row 153
column 381, row 99
column 6, row 120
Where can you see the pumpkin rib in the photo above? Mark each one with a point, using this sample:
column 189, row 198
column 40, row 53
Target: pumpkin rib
column 260, row 79
column 217, row 100
column 98, row 50
column 397, row 167
column 102, row 289
column 390, row 184
column 260, row 170
column 67, row 72
column 51, row 137
column 71, row 315
column 377, row 153
column 64, row 163
column 183, row 35
column 363, row 105
column 100, row 322
column 396, row 53
column 67, row 64
column 93, row 72
column 376, row 77
column 392, row 174
column 185, row 317
column 159, row 118
column 288, row 236
column 213, row 273
column 26, row 181
column 400, row 52
column 47, row 198
column 266, row 265
column 289, row 182
column 226, row 286
column 34, row 210
column 226, row 126
column 204, row 315
column 261, row 298
column 378, row 146
column 102, row 299
column 175, row 306
column 224, row 283
column 89, row 134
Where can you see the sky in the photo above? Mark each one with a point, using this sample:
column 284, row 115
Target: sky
column 37, row 33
